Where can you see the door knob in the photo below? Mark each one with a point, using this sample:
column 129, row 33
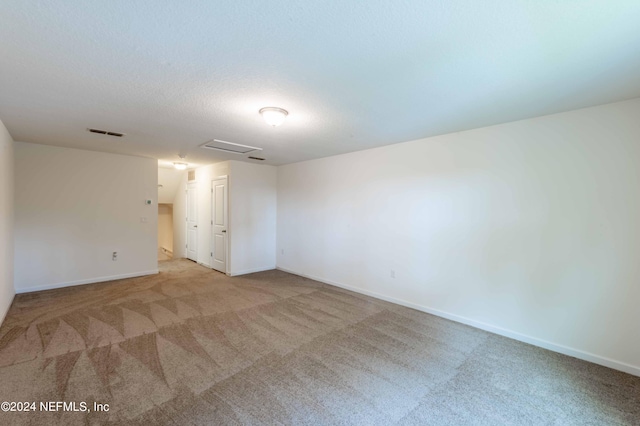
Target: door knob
column 195, row 226
column 224, row 230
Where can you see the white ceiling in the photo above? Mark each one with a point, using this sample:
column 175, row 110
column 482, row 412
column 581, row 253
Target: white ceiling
column 353, row 74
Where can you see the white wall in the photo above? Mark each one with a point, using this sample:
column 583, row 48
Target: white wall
column 6, row 221
column 170, row 179
column 252, row 217
column 530, row 229
column 73, row 208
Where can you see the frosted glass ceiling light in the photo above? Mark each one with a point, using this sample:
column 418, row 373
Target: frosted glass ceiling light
column 274, row 116
column 180, row 165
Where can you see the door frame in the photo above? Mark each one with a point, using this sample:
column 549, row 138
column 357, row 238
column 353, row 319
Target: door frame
column 226, row 214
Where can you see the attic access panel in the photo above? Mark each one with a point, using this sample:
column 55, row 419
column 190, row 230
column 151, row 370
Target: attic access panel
column 234, row 148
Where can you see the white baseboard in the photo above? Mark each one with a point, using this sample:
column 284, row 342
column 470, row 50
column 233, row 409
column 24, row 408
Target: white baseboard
column 251, row 271
column 87, row 281
column 576, row 353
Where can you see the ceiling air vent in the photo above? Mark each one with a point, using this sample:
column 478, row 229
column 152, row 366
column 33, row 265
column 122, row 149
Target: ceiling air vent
column 104, row 132
column 256, row 158
column 234, row 148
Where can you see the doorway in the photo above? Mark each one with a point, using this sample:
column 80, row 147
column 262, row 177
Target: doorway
column 165, row 231
column 192, row 221
column 219, row 237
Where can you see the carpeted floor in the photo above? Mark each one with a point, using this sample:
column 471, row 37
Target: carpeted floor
column 192, row 346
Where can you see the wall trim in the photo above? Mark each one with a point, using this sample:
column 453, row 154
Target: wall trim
column 251, row 271
column 565, row 350
column 87, row 281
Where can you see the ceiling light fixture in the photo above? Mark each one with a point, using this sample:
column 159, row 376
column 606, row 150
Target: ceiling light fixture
column 180, row 165
column 274, row 116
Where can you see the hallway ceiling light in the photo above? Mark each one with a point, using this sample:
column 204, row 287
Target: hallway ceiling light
column 180, row 166
column 274, row 116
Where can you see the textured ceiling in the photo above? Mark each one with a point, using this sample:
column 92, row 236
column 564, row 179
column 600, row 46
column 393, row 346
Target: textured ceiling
column 353, row 74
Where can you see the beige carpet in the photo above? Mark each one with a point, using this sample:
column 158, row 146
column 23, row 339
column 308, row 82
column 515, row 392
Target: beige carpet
column 192, row 346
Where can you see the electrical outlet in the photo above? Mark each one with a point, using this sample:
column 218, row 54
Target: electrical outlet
column 393, row 273
column 114, row 257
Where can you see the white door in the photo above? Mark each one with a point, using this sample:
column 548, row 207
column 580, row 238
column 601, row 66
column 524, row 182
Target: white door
column 219, row 224
column 192, row 222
